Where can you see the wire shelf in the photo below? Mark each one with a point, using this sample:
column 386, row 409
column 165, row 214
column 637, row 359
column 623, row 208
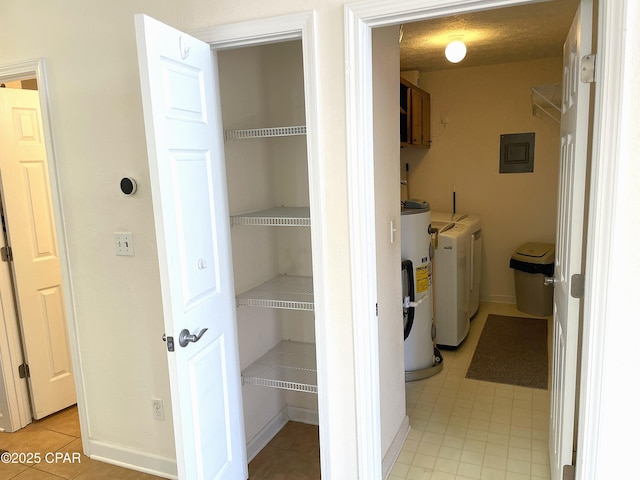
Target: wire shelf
column 289, row 366
column 289, row 292
column 275, row 217
column 546, row 101
column 265, row 132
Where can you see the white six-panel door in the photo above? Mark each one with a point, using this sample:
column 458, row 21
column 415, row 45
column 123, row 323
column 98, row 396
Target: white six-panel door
column 188, row 182
column 36, row 265
column 569, row 240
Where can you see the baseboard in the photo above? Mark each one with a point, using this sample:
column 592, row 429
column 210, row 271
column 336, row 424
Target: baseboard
column 502, row 299
column 264, row 436
column 167, row 468
column 133, row 459
column 395, row 448
column 271, row 429
column 303, row 415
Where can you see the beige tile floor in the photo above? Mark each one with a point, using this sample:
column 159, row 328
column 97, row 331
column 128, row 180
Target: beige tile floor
column 58, row 433
column 468, row 429
column 460, row 429
column 294, row 454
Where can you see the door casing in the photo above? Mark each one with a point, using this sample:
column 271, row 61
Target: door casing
column 360, row 18
column 36, row 69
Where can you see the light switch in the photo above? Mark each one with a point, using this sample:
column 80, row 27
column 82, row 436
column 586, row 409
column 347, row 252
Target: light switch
column 124, row 243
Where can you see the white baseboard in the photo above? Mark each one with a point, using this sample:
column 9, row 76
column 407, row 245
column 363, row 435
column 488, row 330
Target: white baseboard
column 392, row 454
column 167, row 468
column 502, row 299
column 303, row 415
column 265, row 435
column 133, row 459
column 270, row 430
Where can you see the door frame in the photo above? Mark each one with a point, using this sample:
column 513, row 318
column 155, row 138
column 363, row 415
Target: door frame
column 298, row 26
column 360, row 18
column 35, row 68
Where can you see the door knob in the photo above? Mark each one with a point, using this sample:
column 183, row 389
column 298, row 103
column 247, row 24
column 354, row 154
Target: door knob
column 549, row 281
column 186, row 337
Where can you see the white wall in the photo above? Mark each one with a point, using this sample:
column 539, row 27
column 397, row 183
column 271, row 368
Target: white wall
column 386, row 67
column 481, row 103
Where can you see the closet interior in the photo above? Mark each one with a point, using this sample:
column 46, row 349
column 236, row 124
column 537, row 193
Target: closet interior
column 263, row 113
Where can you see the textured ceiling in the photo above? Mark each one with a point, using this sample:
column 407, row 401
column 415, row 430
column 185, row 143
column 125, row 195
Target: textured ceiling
column 492, row 36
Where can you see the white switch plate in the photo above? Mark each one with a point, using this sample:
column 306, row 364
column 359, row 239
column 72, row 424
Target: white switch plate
column 124, row 243
column 157, row 408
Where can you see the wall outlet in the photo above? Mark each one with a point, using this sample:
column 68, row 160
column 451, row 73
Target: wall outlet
column 157, row 408
column 124, row 243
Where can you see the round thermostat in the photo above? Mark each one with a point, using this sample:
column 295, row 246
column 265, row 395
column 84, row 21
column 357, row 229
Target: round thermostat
column 128, row 186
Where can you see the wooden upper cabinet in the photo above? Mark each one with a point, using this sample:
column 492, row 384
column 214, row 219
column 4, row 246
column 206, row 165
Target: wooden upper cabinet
column 415, row 115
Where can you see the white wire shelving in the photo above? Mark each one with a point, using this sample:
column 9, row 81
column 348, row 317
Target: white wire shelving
column 275, row 217
column 265, row 132
column 289, row 366
column 546, row 101
column 289, row 292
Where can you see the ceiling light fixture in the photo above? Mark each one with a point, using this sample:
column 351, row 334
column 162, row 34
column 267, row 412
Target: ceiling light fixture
column 455, row 51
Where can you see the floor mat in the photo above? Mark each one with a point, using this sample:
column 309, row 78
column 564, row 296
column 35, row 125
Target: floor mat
column 512, row 350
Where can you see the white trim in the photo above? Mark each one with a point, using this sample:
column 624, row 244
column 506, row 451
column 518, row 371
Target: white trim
column 266, row 434
column 289, row 27
column 606, row 158
column 257, row 32
column 362, row 236
column 303, row 415
column 131, row 459
column 510, row 299
column 360, row 18
column 395, row 448
column 36, row 68
column 271, row 429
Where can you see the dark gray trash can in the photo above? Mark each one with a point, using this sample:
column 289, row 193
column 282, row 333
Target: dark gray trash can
column 531, row 263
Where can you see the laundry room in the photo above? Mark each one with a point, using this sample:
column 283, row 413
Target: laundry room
column 480, row 155
column 472, row 107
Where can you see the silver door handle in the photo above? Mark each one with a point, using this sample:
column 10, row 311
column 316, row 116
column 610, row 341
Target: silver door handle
column 186, row 337
column 549, row 281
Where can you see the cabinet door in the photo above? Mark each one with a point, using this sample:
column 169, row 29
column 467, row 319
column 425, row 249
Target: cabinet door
column 426, row 118
column 416, row 117
column 405, row 115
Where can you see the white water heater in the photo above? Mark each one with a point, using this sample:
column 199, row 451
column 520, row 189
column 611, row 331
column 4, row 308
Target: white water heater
column 421, row 359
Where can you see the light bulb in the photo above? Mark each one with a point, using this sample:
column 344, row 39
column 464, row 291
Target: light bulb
column 455, row 51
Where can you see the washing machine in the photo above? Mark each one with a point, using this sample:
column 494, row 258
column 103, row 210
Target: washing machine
column 451, row 283
column 475, row 252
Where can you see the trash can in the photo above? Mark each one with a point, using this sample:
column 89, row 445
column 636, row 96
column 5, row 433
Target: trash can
column 532, row 262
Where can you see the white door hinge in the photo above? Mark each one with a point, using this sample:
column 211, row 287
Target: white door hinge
column 588, row 68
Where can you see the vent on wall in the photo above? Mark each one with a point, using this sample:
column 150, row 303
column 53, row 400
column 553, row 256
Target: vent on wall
column 546, row 101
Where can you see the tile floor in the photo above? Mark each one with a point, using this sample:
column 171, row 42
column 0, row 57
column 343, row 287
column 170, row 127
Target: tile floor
column 468, row 429
column 460, row 429
column 293, row 454
column 58, row 433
